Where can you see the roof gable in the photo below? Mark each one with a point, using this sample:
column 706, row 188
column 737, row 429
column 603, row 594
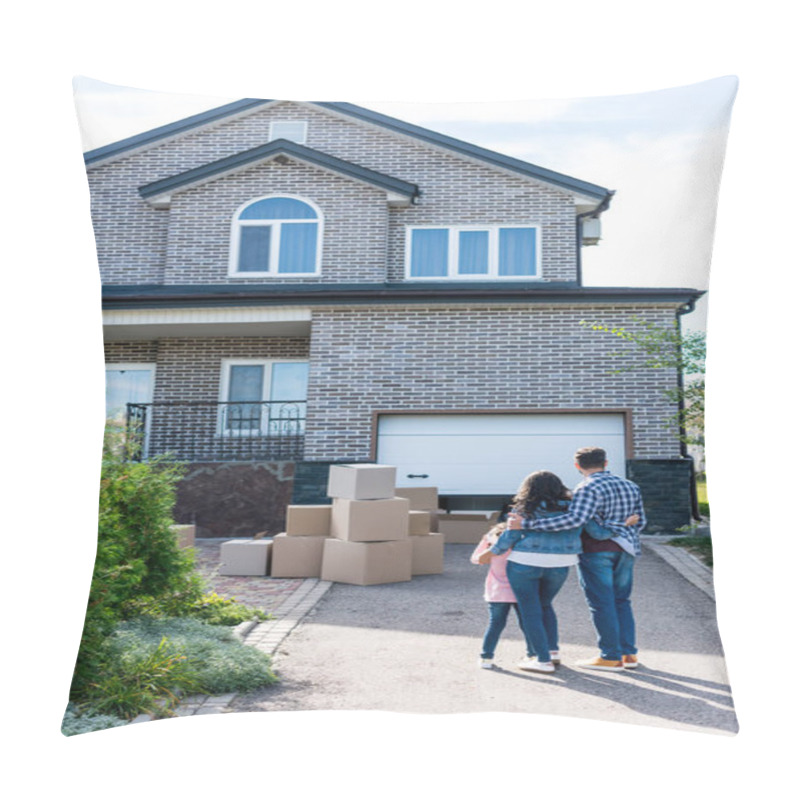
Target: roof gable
column 399, row 192
column 449, row 143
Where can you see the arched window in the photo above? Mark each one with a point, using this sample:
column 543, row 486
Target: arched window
column 279, row 235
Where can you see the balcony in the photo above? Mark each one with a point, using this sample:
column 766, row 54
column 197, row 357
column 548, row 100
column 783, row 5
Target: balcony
column 216, row 431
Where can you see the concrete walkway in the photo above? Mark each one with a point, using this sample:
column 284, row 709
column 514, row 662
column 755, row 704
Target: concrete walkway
column 413, row 647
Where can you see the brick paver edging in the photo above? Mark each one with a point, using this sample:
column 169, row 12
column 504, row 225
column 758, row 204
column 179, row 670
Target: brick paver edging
column 691, row 567
column 265, row 636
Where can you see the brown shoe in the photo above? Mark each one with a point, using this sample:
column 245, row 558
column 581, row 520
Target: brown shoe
column 600, row 663
column 630, row 661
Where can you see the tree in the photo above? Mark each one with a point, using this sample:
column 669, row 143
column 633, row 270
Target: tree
column 669, row 347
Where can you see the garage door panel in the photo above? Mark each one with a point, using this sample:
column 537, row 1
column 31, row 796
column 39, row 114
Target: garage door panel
column 476, row 455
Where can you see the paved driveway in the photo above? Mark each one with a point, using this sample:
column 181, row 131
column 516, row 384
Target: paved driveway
column 413, row 647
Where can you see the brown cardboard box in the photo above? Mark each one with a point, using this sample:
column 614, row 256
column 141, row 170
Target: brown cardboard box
column 308, row 520
column 185, row 534
column 297, row 556
column 369, row 520
column 419, row 523
column 366, row 563
column 466, row 528
column 427, row 554
column 361, row 481
column 245, row 557
column 422, row 498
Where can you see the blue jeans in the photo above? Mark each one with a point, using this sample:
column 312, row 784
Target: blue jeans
column 607, row 580
column 535, row 588
column 498, row 615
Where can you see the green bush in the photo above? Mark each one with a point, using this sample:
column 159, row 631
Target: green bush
column 138, row 559
column 75, row 723
column 142, row 680
column 218, row 660
column 218, row 610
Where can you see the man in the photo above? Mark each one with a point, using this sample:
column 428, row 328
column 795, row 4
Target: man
column 605, row 566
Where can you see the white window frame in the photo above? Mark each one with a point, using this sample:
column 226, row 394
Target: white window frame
column 452, row 253
column 266, row 389
column 131, row 366
column 273, row 136
column 275, row 237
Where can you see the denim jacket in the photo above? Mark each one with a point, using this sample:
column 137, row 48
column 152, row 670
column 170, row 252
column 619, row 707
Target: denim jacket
column 568, row 541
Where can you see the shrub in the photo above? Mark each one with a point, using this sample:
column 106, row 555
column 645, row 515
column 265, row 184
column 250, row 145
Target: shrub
column 74, row 722
column 220, row 662
column 138, row 559
column 143, row 680
column 218, row 610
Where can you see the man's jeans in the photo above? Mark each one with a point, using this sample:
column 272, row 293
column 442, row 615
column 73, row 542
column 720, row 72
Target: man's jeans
column 535, row 588
column 498, row 615
column 607, row 580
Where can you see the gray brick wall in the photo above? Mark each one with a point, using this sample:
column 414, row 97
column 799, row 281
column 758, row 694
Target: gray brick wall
column 138, row 244
column 483, row 358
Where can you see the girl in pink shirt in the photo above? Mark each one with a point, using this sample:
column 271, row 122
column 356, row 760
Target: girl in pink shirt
column 497, row 593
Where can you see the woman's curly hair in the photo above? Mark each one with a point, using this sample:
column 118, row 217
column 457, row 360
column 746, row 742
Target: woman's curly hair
column 540, row 487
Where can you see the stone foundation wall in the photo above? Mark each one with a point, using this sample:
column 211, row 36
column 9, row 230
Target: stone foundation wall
column 235, row 499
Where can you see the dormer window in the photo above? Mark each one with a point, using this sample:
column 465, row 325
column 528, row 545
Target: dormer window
column 474, row 252
column 275, row 236
column 293, row 130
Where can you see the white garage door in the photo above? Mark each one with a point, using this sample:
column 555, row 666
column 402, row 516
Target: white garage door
column 464, row 454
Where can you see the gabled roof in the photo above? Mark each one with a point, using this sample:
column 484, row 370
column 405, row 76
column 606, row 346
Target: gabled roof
column 394, row 186
column 240, row 107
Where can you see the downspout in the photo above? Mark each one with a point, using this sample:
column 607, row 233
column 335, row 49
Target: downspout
column 579, row 218
column 685, row 309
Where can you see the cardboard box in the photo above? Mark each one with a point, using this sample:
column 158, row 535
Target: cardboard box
column 361, row 481
column 308, row 520
column 185, row 534
column 366, row 563
column 369, row 520
column 427, row 554
column 466, row 528
column 419, row 523
column 422, row 498
column 245, row 557
column 297, row 556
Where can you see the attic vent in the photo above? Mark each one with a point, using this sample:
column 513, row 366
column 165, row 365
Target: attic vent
column 293, row 130
column 591, row 231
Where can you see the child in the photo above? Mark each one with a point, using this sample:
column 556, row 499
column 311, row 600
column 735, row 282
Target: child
column 497, row 593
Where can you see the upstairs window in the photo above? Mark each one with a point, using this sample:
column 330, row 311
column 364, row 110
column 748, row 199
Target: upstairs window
column 293, row 130
column 274, row 236
column 466, row 253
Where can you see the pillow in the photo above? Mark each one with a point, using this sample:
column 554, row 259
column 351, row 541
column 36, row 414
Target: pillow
column 341, row 341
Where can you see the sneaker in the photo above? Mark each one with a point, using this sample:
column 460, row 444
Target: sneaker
column 534, row 665
column 630, row 662
column 600, row 663
column 555, row 657
column 486, row 663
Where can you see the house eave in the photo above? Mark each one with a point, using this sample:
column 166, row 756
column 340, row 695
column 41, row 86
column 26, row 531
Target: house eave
column 512, row 293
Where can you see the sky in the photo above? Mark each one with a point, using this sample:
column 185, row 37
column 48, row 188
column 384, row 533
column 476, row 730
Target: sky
column 434, row 54
column 662, row 152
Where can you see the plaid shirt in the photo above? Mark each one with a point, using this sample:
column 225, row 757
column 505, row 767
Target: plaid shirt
column 609, row 500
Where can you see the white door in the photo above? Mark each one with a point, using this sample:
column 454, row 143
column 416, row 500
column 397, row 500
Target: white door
column 464, row 454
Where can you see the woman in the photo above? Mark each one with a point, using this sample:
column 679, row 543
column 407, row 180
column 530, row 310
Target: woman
column 538, row 565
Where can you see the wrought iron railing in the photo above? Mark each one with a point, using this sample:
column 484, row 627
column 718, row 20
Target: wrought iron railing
column 216, row 431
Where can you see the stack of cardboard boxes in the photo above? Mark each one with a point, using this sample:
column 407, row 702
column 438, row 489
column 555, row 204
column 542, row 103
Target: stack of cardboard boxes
column 373, row 532
column 370, row 533
column 461, row 527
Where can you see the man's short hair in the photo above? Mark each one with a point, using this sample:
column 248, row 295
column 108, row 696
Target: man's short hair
column 590, row 457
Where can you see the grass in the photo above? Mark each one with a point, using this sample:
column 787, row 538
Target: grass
column 702, row 499
column 148, row 664
column 699, row 546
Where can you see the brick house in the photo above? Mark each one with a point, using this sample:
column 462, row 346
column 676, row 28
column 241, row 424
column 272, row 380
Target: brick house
column 289, row 285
